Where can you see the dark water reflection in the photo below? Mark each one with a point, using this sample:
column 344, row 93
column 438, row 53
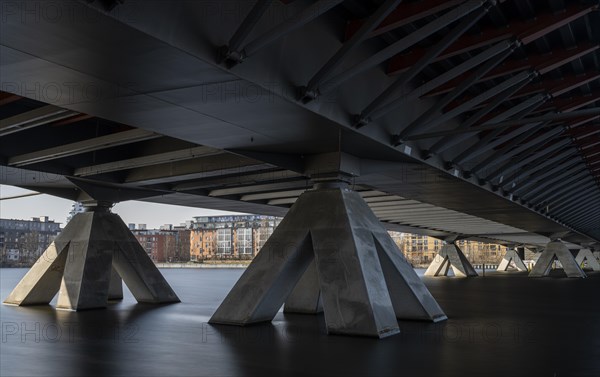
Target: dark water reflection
column 499, row 325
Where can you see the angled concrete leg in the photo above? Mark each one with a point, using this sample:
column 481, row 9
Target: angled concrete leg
column 42, row 281
column 354, row 271
column 115, row 288
column 586, row 256
column 86, row 277
column 556, row 249
column 269, row 279
column 410, row 297
column 306, row 296
column 450, row 255
column 137, row 270
column 79, row 266
column 511, row 256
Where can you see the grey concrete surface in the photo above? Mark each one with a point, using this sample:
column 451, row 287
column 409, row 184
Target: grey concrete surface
column 364, row 280
column 511, row 256
column 585, row 256
column 557, row 250
column 85, row 264
column 450, row 255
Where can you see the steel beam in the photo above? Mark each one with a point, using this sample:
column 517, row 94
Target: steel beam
column 428, row 86
column 511, row 139
column 444, row 143
column 549, row 196
column 564, row 179
column 483, row 144
column 507, row 168
column 539, row 177
column 578, row 214
column 298, row 20
column 242, row 190
column 403, row 15
column 574, row 198
column 525, row 148
column 526, row 31
column 539, row 163
column 402, row 44
column 94, row 144
column 137, row 162
column 251, row 19
column 515, row 80
column 541, row 62
column 33, row 118
column 399, row 84
column 272, row 195
column 552, row 166
column 357, row 38
column 510, row 123
column 441, row 103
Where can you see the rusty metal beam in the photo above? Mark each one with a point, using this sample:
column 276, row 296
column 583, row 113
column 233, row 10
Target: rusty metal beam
column 6, row 98
column 525, row 31
column 554, row 88
column 543, row 63
column 403, row 15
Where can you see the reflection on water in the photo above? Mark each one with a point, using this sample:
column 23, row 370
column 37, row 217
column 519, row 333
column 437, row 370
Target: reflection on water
column 507, row 324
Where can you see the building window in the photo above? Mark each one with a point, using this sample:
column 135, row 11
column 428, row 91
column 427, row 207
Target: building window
column 263, row 235
column 244, row 241
column 223, row 241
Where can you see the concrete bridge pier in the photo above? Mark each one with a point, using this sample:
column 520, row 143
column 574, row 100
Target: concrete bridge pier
column 586, row 256
column 85, row 265
column 513, row 256
column 450, row 255
column 557, row 250
column 330, row 250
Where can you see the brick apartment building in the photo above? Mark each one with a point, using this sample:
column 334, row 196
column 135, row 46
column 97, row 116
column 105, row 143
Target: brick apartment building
column 229, row 237
column 23, row 241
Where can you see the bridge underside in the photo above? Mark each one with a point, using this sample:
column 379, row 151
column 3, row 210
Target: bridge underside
column 454, row 119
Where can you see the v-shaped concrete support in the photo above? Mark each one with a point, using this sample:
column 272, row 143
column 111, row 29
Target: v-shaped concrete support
column 511, row 256
column 586, row 256
column 450, row 255
column 364, row 281
column 558, row 250
column 85, row 264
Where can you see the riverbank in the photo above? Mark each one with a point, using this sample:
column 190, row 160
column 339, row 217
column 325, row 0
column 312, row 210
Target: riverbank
column 206, row 264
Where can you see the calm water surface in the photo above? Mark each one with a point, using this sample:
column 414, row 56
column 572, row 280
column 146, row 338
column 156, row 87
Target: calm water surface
column 499, row 325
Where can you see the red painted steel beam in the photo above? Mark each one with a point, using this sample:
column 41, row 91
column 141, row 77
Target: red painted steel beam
column 594, row 151
column 6, row 98
column 570, row 104
column 555, row 87
column 542, row 63
column 579, row 132
column 593, row 160
column 583, row 120
column 590, row 142
column 560, row 86
column 525, row 31
column 404, row 14
column 73, row 119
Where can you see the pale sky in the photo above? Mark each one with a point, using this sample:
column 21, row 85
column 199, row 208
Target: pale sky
column 152, row 214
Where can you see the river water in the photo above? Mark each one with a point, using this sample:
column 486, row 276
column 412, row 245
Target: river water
column 499, row 325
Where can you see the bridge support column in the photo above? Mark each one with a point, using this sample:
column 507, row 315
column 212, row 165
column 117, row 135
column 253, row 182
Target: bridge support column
column 306, row 296
column 450, row 255
column 585, row 255
column 85, row 265
column 556, row 250
column 365, row 282
column 513, row 256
